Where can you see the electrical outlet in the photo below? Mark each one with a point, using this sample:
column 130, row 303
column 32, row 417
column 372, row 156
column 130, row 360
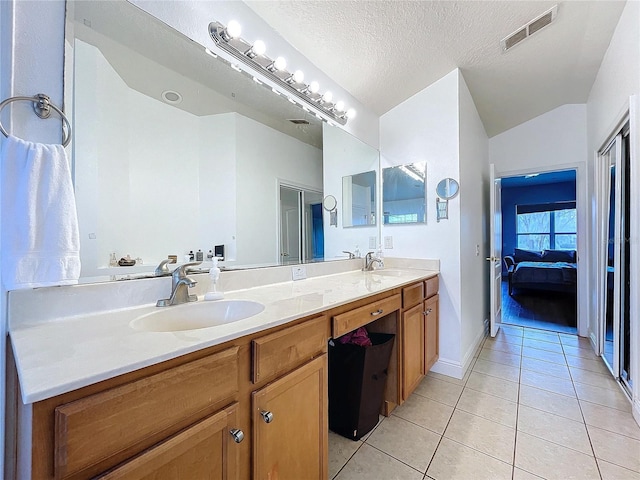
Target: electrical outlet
column 372, row 242
column 388, row 242
column 298, row 273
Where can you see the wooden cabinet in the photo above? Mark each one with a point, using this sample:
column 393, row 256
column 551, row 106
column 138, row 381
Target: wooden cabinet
column 413, row 349
column 206, row 450
column 290, row 425
column 101, row 430
column 431, row 349
column 419, row 332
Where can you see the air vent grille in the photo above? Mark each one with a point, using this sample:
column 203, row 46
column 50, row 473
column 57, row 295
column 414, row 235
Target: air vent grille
column 529, row 29
column 299, row 121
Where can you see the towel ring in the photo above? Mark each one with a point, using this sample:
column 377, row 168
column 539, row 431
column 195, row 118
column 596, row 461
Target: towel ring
column 42, row 107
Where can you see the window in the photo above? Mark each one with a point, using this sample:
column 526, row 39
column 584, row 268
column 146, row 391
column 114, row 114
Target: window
column 547, row 226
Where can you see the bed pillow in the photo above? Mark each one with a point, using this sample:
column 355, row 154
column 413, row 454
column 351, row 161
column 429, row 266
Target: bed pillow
column 568, row 256
column 521, row 255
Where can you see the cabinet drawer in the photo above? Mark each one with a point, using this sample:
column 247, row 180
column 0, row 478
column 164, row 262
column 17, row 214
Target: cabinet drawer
column 204, row 450
column 279, row 352
column 412, row 294
column 346, row 322
column 96, row 428
column 432, row 286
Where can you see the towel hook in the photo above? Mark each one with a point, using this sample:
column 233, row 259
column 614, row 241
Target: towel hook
column 42, row 106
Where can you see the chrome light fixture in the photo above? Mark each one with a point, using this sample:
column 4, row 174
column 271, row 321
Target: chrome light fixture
column 253, row 57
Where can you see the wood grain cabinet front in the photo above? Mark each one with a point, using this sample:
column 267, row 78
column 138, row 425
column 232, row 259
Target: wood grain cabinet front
column 206, row 450
column 419, row 332
column 96, row 432
column 290, row 425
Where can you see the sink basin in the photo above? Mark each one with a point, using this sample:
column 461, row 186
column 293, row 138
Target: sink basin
column 193, row 316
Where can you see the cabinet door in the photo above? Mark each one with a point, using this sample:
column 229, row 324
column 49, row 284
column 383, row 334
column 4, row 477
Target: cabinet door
column 206, row 450
column 431, row 332
column 412, row 349
column 290, row 427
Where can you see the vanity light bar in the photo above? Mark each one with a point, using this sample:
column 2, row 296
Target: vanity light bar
column 307, row 96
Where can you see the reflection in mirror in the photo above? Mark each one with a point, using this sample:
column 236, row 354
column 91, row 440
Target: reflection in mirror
column 447, row 188
column 404, row 193
column 176, row 152
column 359, row 200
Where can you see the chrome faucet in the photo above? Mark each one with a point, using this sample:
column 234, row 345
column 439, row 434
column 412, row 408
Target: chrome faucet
column 351, row 254
column 180, row 285
column 162, row 270
column 369, row 261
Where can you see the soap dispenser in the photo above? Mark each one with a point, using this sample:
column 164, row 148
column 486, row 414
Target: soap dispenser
column 214, row 274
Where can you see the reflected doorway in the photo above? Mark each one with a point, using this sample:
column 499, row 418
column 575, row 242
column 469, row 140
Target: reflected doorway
column 301, row 227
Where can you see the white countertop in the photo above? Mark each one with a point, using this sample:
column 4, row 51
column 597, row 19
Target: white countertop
column 63, row 354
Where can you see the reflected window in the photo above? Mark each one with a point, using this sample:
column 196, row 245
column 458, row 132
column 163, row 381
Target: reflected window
column 403, row 194
column 359, row 199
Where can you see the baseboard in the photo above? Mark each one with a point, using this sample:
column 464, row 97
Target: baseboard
column 455, row 369
column 635, row 409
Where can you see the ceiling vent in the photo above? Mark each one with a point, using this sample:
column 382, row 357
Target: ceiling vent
column 529, row 29
column 299, row 121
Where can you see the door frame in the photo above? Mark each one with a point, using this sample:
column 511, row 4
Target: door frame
column 584, row 259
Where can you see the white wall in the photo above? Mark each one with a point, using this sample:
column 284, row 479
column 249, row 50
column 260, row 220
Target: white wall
column 342, row 155
column 555, row 140
column 474, row 224
column 618, row 78
column 424, row 128
column 32, row 62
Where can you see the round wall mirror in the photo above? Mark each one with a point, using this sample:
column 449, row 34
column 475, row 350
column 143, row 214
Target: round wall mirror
column 329, row 203
column 447, row 188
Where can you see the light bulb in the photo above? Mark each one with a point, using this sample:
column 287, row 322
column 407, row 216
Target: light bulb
column 351, row 113
column 298, row 76
column 280, row 63
column 259, row 48
column 340, row 106
column 234, row 29
column 314, row 87
column 327, row 97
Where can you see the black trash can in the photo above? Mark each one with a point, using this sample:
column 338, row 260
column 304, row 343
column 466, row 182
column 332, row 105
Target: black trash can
column 357, row 377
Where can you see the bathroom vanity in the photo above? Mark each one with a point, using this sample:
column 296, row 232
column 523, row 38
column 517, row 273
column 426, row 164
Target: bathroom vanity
column 205, row 403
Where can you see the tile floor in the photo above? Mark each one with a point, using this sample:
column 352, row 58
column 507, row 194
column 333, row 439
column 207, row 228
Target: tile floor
column 533, row 405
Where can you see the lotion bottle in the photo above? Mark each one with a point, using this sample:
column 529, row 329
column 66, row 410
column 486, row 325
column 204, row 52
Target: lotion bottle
column 214, row 275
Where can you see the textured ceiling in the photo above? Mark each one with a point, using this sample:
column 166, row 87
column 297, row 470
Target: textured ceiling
column 383, row 52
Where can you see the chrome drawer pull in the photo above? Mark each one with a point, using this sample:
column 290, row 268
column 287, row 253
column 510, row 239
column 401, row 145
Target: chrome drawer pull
column 377, row 312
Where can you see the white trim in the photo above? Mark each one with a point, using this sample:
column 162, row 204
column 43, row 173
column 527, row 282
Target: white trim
column 455, row 369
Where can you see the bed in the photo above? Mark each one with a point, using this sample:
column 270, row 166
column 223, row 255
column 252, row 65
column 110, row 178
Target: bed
column 551, row 270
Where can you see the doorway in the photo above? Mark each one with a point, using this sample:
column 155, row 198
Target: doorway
column 539, row 245
column 613, row 175
column 301, row 227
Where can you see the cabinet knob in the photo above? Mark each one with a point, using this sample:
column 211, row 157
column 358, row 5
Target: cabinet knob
column 428, row 311
column 266, row 416
column 237, row 434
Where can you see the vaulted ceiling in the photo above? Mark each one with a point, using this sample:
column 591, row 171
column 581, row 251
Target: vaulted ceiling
column 383, row 52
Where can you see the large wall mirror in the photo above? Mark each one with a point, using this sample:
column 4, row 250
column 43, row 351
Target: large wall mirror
column 174, row 151
column 404, row 194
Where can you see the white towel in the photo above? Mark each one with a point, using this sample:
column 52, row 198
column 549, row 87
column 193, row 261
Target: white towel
column 40, row 239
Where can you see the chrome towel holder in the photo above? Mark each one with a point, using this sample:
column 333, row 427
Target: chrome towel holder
column 42, row 107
